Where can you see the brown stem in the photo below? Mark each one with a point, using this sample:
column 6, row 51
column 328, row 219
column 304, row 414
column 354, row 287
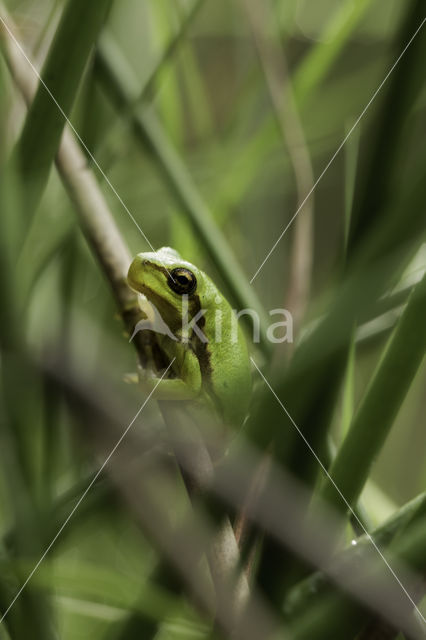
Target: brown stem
column 113, row 257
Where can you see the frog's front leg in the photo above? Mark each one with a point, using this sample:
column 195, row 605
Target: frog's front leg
column 166, row 388
column 186, row 387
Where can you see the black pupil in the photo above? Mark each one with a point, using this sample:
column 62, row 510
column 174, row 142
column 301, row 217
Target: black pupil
column 182, row 281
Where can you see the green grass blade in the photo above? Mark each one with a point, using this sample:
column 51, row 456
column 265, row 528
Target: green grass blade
column 381, row 403
column 306, row 80
column 404, row 87
column 318, row 61
column 170, row 50
column 61, row 73
column 348, row 390
column 309, row 388
column 351, row 160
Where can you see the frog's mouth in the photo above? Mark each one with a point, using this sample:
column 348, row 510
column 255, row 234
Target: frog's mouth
column 139, row 286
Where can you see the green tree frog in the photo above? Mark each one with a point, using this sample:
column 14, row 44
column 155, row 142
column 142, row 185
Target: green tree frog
column 198, row 329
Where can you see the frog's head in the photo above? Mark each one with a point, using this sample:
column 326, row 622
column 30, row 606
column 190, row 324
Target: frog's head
column 164, row 278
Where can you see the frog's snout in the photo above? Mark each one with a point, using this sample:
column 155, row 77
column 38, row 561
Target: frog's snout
column 135, row 277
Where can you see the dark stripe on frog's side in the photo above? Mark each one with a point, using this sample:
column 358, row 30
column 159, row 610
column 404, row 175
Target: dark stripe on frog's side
column 200, row 348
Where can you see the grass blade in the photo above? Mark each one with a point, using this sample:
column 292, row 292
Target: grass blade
column 405, row 86
column 62, row 71
column 388, row 388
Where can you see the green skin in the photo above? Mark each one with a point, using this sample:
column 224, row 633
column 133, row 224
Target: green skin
column 218, row 372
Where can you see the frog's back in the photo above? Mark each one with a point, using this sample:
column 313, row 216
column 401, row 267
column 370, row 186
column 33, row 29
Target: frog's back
column 231, row 379
column 224, row 360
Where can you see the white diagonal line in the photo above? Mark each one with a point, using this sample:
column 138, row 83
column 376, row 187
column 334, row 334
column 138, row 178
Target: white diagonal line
column 84, row 494
column 370, row 538
column 339, row 148
column 83, row 144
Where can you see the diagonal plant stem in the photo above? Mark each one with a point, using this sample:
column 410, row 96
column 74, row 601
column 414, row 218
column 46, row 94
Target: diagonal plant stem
column 94, row 214
column 281, row 512
column 404, row 544
column 298, row 597
column 314, row 608
column 110, row 250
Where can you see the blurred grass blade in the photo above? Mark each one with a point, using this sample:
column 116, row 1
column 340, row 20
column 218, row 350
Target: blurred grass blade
column 149, row 85
column 118, row 78
column 315, row 65
column 170, row 107
column 317, row 610
column 281, row 95
column 87, row 581
column 351, row 161
column 137, row 558
column 390, row 235
column 348, row 389
column 300, row 597
column 381, row 403
column 39, row 247
column 310, row 387
column 317, row 62
column 20, row 421
column 189, row 117
column 403, row 88
column 39, row 141
column 152, row 83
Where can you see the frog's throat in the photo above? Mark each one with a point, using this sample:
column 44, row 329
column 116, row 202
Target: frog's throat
column 173, row 318
column 168, row 312
column 174, row 322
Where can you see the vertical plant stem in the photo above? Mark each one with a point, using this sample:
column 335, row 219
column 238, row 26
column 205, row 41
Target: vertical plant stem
column 274, row 67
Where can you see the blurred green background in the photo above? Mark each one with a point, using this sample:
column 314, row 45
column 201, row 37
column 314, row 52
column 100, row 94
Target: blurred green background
column 212, row 100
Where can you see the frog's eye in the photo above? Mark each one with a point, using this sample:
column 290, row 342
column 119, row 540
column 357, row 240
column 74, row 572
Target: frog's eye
column 182, row 281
